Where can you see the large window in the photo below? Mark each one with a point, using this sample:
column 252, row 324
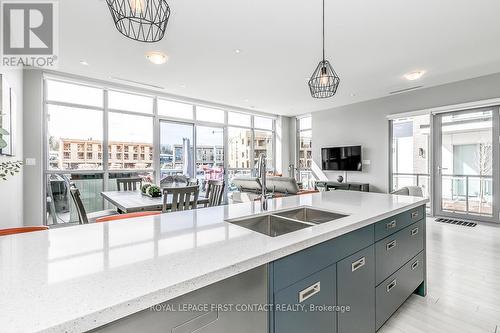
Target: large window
column 130, row 141
column 209, row 157
column 176, row 149
column 95, row 135
column 304, row 152
column 411, row 153
column 74, row 138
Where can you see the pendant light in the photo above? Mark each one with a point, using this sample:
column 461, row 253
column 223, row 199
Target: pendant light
column 324, row 81
column 140, row 20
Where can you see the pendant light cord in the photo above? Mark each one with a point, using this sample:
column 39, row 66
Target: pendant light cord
column 323, row 31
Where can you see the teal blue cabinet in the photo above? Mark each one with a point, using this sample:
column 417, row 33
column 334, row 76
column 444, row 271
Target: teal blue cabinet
column 371, row 271
column 307, row 305
column 356, row 290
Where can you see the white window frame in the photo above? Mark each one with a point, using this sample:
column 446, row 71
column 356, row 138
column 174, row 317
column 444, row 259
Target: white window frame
column 106, row 87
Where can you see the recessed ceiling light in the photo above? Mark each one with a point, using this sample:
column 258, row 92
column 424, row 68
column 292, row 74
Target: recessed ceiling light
column 237, row 51
column 84, row 63
column 157, row 58
column 412, row 76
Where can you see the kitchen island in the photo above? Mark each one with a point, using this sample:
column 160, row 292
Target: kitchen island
column 93, row 276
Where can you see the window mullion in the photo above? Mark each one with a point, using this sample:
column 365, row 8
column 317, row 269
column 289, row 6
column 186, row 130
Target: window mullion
column 105, row 142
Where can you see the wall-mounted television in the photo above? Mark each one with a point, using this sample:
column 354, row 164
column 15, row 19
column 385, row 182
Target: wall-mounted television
column 341, row 158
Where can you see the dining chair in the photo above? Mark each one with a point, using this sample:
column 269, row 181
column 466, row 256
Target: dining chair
column 174, row 181
column 193, row 182
column 21, row 230
column 83, row 217
column 129, row 184
column 215, row 193
column 183, row 198
column 126, row 216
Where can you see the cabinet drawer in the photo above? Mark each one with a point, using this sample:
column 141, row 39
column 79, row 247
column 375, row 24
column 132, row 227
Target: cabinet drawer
column 394, row 251
column 390, row 225
column 317, row 289
column 297, row 266
column 356, row 289
column 397, row 288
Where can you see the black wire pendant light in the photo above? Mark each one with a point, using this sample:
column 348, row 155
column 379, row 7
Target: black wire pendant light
column 324, row 81
column 140, row 20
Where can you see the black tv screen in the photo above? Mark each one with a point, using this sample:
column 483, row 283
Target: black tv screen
column 341, row 158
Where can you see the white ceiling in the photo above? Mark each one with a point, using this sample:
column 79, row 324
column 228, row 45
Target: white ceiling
column 371, row 44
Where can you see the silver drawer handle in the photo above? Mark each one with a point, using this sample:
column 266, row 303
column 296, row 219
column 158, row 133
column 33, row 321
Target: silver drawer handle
column 391, row 285
column 414, row 214
column 390, row 225
column 390, row 245
column 309, row 292
column 414, row 265
column 358, row 264
column 414, row 231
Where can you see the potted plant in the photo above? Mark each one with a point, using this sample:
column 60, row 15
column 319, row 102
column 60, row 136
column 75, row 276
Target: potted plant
column 154, row 191
column 144, row 188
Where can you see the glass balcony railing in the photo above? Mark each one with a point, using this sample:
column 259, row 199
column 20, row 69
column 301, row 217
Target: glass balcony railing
column 467, row 194
column 463, row 194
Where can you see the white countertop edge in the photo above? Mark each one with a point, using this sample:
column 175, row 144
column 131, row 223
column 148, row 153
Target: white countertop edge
column 121, row 310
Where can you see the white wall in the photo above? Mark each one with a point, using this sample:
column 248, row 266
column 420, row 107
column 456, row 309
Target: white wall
column 33, row 144
column 11, row 191
column 365, row 123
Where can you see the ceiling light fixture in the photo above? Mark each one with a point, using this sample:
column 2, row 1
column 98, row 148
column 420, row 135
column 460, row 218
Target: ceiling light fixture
column 324, row 81
column 412, row 76
column 237, row 51
column 140, row 20
column 84, row 63
column 157, row 58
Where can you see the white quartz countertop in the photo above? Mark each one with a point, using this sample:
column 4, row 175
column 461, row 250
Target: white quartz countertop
column 78, row 278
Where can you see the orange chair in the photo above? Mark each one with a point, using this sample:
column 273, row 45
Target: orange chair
column 125, row 216
column 307, row 192
column 13, row 231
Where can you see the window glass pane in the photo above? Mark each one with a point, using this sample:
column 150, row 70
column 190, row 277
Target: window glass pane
column 130, row 102
column 74, row 138
column 61, row 207
column 305, row 149
column 305, row 123
column 130, row 141
column 262, row 122
column 208, row 114
column 74, row 93
column 231, row 174
column 239, row 148
column 411, row 153
column 174, row 109
column 239, row 119
column 176, row 149
column 263, row 144
column 209, row 154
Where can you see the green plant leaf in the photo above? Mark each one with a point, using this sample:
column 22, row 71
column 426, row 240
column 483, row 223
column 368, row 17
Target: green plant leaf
column 3, row 131
column 3, row 144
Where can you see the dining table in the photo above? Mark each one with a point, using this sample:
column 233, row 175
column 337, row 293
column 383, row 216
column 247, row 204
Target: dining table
column 135, row 201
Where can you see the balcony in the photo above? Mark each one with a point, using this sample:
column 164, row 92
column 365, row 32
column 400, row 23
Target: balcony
column 462, row 194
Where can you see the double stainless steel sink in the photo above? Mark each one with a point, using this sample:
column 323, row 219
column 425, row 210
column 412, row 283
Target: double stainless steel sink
column 283, row 222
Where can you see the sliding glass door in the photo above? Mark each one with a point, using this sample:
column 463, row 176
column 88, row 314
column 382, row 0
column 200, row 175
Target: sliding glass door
column 209, row 155
column 466, row 168
column 176, row 149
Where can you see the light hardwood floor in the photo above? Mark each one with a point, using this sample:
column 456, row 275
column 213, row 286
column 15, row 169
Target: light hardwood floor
column 463, row 271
